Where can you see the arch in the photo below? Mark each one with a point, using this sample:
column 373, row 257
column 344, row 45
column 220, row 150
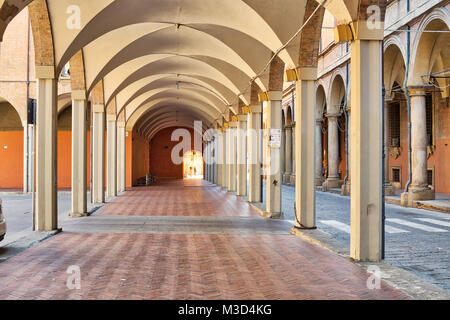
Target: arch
column 394, row 66
column 337, row 92
column 430, row 52
column 10, row 119
column 321, row 101
column 289, row 118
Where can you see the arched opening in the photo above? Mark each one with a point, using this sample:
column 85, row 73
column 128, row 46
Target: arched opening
column 11, row 147
column 193, row 165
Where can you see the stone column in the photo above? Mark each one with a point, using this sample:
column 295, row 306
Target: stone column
column 346, row 187
column 232, row 169
column 318, row 152
column 220, row 159
column 26, row 156
column 241, row 189
column 418, row 189
column 254, row 153
column 389, row 189
column 206, row 160
column 121, row 156
column 111, row 157
column 214, row 159
column 46, row 150
column 288, row 153
column 283, row 153
column 98, row 161
column 293, row 155
column 305, row 149
column 79, row 154
column 273, row 174
column 226, row 148
column 333, row 180
column 366, row 146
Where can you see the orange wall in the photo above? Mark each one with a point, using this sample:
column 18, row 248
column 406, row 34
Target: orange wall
column 65, row 159
column 11, row 159
column 140, row 161
column 160, row 158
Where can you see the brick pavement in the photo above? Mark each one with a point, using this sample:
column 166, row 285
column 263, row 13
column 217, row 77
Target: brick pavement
column 184, row 266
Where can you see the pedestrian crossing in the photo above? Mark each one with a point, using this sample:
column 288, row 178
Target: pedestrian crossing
column 423, row 224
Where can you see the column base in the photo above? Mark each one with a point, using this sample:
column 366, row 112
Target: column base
column 389, row 190
column 407, row 199
column 346, row 189
column 78, row 215
column 272, row 215
column 330, row 184
column 319, row 182
column 287, row 178
column 292, row 179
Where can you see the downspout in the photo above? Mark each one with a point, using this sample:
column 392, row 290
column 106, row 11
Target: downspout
column 408, row 102
column 346, row 125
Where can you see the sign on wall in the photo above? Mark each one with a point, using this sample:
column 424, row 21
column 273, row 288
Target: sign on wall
column 275, row 138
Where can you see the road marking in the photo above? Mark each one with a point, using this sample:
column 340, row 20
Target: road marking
column 338, row 225
column 433, row 221
column 390, row 229
column 415, row 225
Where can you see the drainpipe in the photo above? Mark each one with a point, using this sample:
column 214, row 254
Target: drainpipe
column 408, row 101
column 346, row 125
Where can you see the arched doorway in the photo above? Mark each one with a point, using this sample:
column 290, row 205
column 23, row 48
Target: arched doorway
column 193, row 165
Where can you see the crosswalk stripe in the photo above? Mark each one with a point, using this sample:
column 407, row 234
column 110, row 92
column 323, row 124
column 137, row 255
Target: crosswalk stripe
column 415, row 225
column 390, row 229
column 338, row 225
column 433, row 221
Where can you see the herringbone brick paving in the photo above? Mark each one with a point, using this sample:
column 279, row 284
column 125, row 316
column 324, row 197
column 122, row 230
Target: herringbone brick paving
column 184, row 266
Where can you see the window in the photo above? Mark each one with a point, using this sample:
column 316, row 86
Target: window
column 394, row 124
column 395, row 175
column 429, row 111
column 430, row 174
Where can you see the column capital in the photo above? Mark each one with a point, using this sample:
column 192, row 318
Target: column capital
column 79, row 95
column 319, row 121
column 242, row 117
column 365, row 30
column 332, row 115
column 233, row 124
column 45, row 72
column 121, row 124
column 256, row 108
column 111, row 118
column 98, row 108
column 418, row 90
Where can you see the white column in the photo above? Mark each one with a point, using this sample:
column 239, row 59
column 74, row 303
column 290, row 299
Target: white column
column 79, row 154
column 293, row 155
column 305, row 149
column 111, row 158
column 419, row 190
column 242, row 156
column 288, row 156
column 318, row 152
column 121, row 156
column 46, row 153
column 254, row 153
column 333, row 180
column 98, row 163
column 232, row 172
column 220, row 158
column 366, row 149
column 273, row 203
column 226, row 152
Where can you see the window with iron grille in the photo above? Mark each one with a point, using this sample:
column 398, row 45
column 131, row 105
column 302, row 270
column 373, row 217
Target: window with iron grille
column 394, row 124
column 429, row 111
column 395, row 175
column 430, row 177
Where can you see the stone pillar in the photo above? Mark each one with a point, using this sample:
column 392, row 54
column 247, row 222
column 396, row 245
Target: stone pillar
column 121, row 156
column 333, row 180
column 288, row 153
column 26, row 156
column 46, row 150
column 254, row 153
column 241, row 189
column 389, row 189
column 293, row 156
column 418, row 189
column 98, row 161
column 366, row 146
column 232, row 169
column 305, row 149
column 79, row 154
column 220, row 159
column 346, row 187
column 214, row 159
column 111, row 156
column 273, row 174
column 206, row 160
column 318, row 152
column 226, row 165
